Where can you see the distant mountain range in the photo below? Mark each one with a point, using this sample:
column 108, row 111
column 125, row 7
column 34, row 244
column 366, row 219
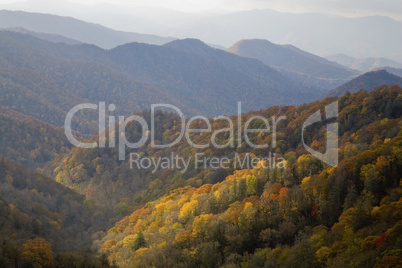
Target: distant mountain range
column 75, row 29
column 367, row 81
column 41, row 68
column 38, row 75
column 373, row 36
column 38, row 83
column 295, row 63
column 55, row 38
column 363, row 64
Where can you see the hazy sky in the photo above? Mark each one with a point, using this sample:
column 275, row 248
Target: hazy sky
column 392, row 8
column 201, row 19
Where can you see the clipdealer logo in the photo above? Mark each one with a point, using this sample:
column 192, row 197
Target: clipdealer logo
column 186, row 130
column 175, row 161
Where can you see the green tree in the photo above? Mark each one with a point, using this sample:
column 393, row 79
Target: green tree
column 139, row 242
column 251, row 185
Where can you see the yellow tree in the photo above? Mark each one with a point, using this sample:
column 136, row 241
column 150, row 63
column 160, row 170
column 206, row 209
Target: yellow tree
column 188, row 210
column 38, row 252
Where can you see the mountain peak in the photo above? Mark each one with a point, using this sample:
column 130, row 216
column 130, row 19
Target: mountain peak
column 367, row 81
column 190, row 45
column 245, row 43
column 294, row 63
column 188, row 41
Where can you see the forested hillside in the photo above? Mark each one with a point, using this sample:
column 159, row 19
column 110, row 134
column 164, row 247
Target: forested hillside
column 133, row 76
column 121, row 149
column 44, row 223
column 29, row 141
column 349, row 213
column 36, row 82
column 369, row 130
column 305, row 215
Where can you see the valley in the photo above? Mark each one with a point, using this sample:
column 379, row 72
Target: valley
column 124, row 149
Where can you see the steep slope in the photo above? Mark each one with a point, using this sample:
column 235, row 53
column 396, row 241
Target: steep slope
column 36, row 81
column 203, row 75
column 363, row 64
column 44, row 224
column 302, row 214
column 121, row 185
column 28, row 92
column 194, row 81
column 29, row 141
column 367, row 81
column 35, row 205
column 75, row 29
column 295, row 63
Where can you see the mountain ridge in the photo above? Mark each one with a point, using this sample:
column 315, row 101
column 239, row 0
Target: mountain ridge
column 367, row 81
column 55, row 38
column 75, row 29
column 363, row 64
column 192, row 81
column 295, row 63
